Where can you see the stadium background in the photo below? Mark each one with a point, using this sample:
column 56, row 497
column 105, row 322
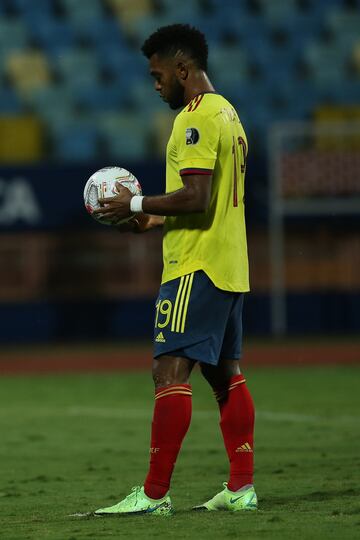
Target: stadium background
column 75, row 95
column 76, row 296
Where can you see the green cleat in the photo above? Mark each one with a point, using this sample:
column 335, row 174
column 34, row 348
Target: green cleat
column 138, row 503
column 234, row 501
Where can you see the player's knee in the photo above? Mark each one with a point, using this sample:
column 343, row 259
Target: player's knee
column 219, row 376
column 171, row 370
column 166, row 377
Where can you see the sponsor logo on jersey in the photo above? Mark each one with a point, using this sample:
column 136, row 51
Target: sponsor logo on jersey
column 192, row 136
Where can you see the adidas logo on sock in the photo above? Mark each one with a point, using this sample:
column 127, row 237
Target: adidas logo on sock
column 160, row 338
column 244, row 448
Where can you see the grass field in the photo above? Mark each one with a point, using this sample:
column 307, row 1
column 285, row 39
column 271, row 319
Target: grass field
column 72, row 443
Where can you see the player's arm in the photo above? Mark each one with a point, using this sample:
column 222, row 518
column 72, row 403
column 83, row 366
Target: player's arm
column 193, row 197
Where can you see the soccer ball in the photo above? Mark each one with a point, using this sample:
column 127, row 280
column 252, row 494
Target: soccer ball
column 102, row 184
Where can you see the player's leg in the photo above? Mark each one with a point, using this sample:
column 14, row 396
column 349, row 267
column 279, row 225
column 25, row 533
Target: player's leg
column 171, row 370
column 220, row 375
column 172, row 411
column 236, row 418
column 171, row 420
column 237, row 427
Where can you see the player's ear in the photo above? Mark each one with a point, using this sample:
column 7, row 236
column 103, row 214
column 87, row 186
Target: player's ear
column 182, row 71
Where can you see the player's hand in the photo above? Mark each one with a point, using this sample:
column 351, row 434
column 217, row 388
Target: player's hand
column 141, row 223
column 146, row 222
column 117, row 207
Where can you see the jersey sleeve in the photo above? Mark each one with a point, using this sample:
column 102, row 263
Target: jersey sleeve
column 197, row 138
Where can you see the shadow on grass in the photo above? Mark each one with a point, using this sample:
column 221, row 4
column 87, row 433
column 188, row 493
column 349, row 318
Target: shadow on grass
column 314, row 496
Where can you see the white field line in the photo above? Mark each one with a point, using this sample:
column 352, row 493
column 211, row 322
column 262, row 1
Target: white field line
column 111, row 413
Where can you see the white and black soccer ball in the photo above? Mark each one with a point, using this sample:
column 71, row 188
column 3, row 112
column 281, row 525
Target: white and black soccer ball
column 102, row 184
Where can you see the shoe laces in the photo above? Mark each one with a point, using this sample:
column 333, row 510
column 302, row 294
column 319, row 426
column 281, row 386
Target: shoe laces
column 134, row 493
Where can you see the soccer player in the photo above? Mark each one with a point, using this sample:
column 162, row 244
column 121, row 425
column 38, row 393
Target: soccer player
column 199, row 309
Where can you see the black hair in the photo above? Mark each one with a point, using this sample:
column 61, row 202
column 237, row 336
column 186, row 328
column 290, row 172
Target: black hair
column 167, row 40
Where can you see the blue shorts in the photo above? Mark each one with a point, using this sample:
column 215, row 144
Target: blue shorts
column 196, row 320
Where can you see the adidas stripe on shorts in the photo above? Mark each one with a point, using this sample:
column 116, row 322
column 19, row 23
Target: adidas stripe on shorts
column 196, row 320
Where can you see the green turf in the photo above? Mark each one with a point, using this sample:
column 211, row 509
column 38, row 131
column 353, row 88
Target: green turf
column 74, row 443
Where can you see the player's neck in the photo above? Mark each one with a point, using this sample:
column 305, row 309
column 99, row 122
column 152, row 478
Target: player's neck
column 198, row 83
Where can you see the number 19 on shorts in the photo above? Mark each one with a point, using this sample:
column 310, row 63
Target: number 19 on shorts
column 163, row 313
column 174, row 313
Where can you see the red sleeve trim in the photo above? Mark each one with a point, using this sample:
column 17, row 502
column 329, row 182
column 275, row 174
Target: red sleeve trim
column 185, row 172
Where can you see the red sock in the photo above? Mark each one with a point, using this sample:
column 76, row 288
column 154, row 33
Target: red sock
column 171, row 420
column 237, row 426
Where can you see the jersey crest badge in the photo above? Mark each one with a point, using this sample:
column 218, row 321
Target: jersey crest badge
column 192, row 136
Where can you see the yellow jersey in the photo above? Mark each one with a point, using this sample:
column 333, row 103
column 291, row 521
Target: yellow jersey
column 208, row 138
